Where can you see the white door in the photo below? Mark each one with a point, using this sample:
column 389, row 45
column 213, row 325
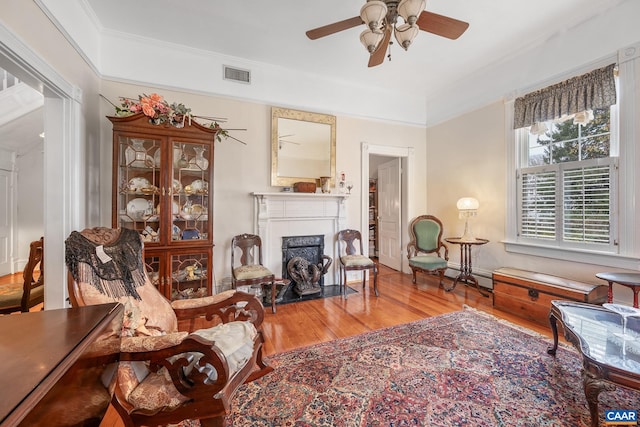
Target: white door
column 389, row 240
column 5, row 222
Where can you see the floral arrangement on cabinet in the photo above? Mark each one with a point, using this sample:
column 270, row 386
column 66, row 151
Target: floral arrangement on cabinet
column 160, row 111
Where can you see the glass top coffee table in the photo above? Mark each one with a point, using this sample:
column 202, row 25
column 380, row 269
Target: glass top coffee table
column 610, row 353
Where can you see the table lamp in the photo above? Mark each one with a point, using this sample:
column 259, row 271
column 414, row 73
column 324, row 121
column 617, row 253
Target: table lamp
column 467, row 207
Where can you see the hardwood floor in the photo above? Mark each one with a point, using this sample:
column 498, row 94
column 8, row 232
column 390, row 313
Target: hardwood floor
column 310, row 322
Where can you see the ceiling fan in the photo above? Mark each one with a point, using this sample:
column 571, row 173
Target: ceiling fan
column 381, row 18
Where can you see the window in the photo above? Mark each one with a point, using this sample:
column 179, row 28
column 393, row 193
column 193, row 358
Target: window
column 559, row 167
column 566, row 178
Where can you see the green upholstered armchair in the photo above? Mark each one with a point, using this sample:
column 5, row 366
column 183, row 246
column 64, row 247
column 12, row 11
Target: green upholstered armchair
column 426, row 251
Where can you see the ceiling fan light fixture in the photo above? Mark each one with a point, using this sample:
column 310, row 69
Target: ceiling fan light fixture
column 373, row 13
column 370, row 39
column 405, row 34
column 410, row 10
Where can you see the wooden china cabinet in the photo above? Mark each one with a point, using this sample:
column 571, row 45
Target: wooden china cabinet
column 162, row 188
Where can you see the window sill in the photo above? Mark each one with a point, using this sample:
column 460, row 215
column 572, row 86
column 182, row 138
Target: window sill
column 575, row 255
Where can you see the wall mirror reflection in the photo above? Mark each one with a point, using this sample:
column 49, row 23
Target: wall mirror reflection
column 303, row 146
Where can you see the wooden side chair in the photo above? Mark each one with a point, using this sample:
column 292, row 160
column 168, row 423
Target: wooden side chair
column 165, row 375
column 23, row 295
column 352, row 259
column 426, row 251
column 246, row 265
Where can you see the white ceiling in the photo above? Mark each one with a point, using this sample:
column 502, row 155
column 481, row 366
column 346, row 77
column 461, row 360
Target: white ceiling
column 274, row 33
column 442, row 74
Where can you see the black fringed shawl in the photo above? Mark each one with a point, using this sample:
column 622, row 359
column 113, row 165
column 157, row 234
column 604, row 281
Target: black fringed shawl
column 115, row 278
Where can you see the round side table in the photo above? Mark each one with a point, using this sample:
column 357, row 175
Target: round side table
column 630, row 280
column 466, row 268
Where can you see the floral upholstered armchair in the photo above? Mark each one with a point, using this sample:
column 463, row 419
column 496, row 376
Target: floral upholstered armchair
column 165, row 375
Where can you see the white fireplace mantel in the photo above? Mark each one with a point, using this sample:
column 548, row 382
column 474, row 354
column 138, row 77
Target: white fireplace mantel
column 298, row 214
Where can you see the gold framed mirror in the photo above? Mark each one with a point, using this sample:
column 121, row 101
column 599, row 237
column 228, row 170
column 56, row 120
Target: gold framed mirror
column 303, row 146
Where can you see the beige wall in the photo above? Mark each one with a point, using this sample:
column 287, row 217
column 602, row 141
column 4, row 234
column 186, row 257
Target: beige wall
column 243, row 169
column 466, row 157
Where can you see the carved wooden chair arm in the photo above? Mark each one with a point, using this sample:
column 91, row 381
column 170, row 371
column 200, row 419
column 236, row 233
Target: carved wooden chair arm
column 228, row 306
column 412, row 250
column 208, row 375
column 446, row 251
column 141, row 344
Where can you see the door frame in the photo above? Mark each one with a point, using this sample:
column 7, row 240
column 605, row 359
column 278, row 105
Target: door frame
column 64, row 207
column 407, row 163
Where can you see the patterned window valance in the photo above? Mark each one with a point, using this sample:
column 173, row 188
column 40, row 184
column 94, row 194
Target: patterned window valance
column 596, row 89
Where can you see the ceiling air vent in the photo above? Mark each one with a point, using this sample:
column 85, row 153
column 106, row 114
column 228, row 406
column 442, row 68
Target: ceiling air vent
column 237, row 74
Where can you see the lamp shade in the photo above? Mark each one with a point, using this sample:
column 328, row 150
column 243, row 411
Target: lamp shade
column 370, row 39
column 405, row 34
column 410, row 10
column 372, row 14
column 467, row 204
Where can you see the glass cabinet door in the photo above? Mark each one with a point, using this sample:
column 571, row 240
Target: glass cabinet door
column 153, row 267
column 138, row 196
column 190, row 191
column 189, row 275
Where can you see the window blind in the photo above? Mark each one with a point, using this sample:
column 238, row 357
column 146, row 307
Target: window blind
column 586, row 204
column 538, row 195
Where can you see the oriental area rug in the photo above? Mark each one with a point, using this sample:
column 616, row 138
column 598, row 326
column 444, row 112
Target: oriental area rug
column 459, row 369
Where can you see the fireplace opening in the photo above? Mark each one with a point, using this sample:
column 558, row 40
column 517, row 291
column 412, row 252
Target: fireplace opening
column 310, row 248
column 304, row 256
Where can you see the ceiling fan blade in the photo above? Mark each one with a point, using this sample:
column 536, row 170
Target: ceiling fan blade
column 377, row 57
column 326, row 30
column 441, row 25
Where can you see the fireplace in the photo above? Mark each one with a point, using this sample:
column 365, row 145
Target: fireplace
column 279, row 215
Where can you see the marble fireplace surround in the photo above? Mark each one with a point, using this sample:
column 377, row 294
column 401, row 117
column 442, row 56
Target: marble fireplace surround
column 277, row 215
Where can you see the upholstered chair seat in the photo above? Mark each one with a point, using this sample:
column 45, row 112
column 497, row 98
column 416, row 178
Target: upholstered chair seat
column 21, row 296
column 11, row 296
column 428, row 262
column 355, row 260
column 247, row 272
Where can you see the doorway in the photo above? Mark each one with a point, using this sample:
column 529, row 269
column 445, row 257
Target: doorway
column 21, row 170
column 374, row 156
column 62, row 191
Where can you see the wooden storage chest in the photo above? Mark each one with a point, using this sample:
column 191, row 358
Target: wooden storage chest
column 528, row 294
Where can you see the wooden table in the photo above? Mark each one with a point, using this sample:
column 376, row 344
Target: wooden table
column 37, row 350
column 606, row 360
column 630, row 280
column 466, row 267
